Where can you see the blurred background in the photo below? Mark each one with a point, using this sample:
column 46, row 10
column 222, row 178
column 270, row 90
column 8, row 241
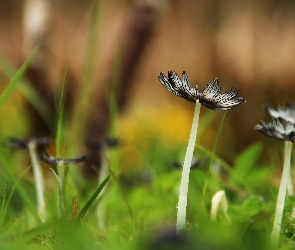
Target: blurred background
column 117, row 49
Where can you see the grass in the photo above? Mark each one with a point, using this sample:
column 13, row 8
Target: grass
column 139, row 202
column 141, row 205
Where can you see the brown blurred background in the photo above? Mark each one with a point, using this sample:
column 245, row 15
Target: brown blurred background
column 250, row 44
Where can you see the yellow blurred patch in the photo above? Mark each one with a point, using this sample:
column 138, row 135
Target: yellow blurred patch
column 169, row 125
column 15, row 123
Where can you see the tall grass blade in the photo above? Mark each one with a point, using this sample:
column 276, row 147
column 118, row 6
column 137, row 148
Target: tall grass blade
column 60, row 116
column 21, row 191
column 112, row 96
column 114, row 156
column 79, row 120
column 90, row 201
column 213, row 153
column 61, row 202
column 3, row 202
column 29, row 93
column 17, row 77
column 61, row 168
column 14, row 187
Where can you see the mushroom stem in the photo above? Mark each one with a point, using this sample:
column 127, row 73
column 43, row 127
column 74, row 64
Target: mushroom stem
column 60, row 174
column 281, row 195
column 38, row 179
column 182, row 203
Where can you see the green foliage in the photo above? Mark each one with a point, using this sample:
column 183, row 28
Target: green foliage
column 245, row 162
column 249, row 208
column 245, row 165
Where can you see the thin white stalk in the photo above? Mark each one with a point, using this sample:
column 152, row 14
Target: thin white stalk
column 100, row 211
column 60, row 174
column 182, row 203
column 275, row 235
column 38, row 180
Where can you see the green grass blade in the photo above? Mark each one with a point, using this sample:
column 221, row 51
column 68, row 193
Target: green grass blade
column 112, row 94
column 82, row 107
column 37, row 231
column 14, row 187
column 29, row 93
column 59, row 129
column 90, row 201
column 25, row 198
column 17, row 77
column 61, row 202
column 3, row 202
column 209, row 153
column 62, row 170
column 213, row 153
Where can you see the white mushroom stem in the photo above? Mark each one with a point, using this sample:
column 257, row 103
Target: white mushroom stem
column 38, row 179
column 182, row 203
column 275, row 235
